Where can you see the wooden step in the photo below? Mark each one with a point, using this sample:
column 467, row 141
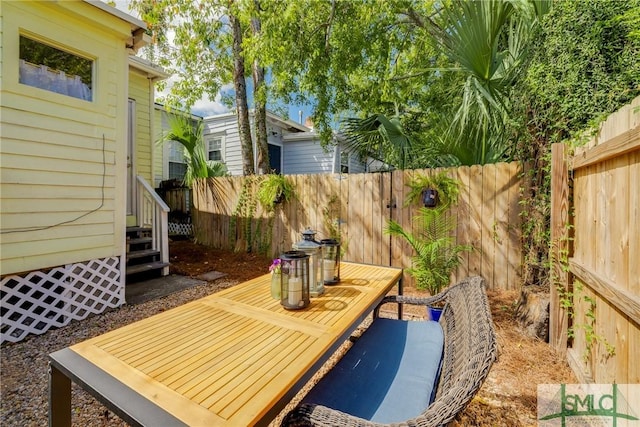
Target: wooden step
column 139, row 241
column 137, row 229
column 142, row 253
column 141, row 268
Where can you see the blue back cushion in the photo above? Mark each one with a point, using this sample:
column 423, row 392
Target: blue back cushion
column 388, row 375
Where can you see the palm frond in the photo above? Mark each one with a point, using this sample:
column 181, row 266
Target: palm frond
column 379, row 137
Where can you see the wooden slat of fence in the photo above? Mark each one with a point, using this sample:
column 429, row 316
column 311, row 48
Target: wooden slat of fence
column 397, row 244
column 501, row 227
column 356, row 197
column 341, row 185
column 377, row 219
column 604, row 371
column 488, row 223
column 558, row 315
column 368, row 239
column 386, row 206
column 406, row 219
column 314, row 208
column 634, row 263
column 514, row 269
column 322, row 201
column 475, row 220
column 619, row 263
column 583, row 220
column 464, row 214
column 300, row 212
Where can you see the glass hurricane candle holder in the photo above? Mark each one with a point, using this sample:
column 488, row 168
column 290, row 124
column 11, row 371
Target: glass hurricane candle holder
column 309, row 246
column 330, row 261
column 294, row 280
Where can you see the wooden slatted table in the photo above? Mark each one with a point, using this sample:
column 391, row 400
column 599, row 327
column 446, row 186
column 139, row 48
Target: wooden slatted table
column 234, row 358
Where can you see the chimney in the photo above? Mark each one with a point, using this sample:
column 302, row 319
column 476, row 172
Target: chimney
column 308, row 123
column 300, row 116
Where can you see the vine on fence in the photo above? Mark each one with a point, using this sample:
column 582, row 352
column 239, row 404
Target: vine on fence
column 589, row 327
column 246, row 230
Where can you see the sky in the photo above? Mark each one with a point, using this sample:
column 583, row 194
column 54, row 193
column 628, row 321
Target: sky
column 206, row 107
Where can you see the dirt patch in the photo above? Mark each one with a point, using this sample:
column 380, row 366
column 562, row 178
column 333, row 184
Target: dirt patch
column 189, row 259
column 508, row 396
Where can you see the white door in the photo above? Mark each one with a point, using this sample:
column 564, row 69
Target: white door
column 131, row 159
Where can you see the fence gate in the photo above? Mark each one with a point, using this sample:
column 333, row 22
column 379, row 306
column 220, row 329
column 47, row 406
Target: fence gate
column 596, row 252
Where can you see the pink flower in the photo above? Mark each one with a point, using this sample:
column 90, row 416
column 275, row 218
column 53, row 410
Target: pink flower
column 275, row 266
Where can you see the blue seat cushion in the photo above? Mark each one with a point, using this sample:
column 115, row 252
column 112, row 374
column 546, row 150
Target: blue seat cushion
column 388, row 375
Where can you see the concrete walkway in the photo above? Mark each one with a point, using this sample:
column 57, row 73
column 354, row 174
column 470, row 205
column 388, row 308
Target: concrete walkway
column 137, row 293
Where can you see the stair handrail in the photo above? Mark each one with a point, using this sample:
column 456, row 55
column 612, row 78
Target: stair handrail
column 153, row 212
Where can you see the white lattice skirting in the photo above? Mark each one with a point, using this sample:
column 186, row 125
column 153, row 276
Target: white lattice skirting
column 176, row 228
column 35, row 303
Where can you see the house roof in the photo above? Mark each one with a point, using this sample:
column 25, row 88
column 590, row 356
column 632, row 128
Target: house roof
column 287, row 124
column 139, row 37
column 152, row 70
column 290, row 125
column 136, row 23
column 161, row 107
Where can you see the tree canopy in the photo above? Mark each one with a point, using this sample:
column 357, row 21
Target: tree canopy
column 421, row 82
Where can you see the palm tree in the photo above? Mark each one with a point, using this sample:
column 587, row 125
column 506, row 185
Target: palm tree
column 379, row 137
column 183, row 131
column 487, row 41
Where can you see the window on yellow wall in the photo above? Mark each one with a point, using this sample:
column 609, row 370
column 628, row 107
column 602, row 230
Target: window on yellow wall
column 50, row 68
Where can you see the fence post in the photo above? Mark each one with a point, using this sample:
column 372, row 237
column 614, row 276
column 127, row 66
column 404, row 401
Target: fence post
column 559, row 250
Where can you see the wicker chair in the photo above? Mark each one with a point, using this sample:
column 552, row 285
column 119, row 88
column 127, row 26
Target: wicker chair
column 469, row 351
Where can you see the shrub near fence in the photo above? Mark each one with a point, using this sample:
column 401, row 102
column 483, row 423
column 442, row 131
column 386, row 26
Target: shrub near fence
column 487, row 213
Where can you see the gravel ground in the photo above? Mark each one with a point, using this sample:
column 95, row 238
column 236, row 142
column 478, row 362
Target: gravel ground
column 23, row 365
column 23, row 368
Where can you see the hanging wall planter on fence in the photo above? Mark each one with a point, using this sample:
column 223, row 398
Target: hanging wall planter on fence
column 433, row 191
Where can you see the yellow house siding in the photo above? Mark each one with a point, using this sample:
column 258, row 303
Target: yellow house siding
column 63, row 160
column 158, row 149
column 139, row 90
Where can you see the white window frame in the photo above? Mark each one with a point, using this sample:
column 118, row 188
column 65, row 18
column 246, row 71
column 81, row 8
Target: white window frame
column 175, row 147
column 346, row 165
column 211, row 138
column 43, row 77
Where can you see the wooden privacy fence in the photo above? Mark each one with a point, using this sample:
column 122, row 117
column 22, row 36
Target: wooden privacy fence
column 178, row 199
column 360, row 205
column 595, row 303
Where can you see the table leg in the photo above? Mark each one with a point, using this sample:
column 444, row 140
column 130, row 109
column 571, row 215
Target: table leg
column 59, row 398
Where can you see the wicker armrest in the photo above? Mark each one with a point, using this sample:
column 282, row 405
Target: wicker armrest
column 403, row 299
column 308, row 415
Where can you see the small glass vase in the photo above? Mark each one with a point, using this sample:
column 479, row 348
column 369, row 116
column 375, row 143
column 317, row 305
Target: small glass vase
column 275, row 286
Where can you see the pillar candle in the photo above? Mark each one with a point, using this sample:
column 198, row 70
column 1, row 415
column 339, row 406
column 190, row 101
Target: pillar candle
column 295, row 291
column 328, row 267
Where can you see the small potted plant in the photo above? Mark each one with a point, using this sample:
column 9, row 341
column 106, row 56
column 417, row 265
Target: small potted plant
column 436, row 254
column 437, row 190
column 273, row 190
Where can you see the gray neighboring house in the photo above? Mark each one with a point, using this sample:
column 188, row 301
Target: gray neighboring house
column 293, row 148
